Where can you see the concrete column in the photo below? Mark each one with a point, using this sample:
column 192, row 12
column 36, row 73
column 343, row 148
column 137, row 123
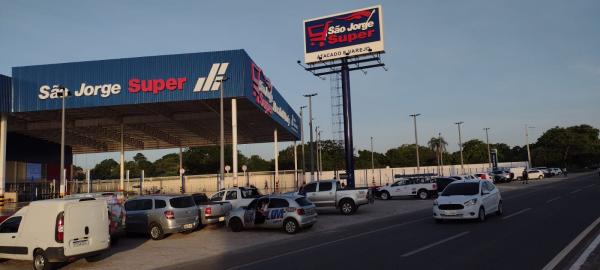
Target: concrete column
column 89, row 183
column 122, row 160
column 128, row 184
column 3, row 135
column 234, row 140
column 276, row 156
column 181, row 171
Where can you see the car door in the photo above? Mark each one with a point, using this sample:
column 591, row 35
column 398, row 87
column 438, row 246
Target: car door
column 310, row 191
column 486, row 197
column 261, row 212
column 325, row 194
column 132, row 216
column 12, row 247
column 250, row 213
column 495, row 194
column 395, row 188
column 276, row 211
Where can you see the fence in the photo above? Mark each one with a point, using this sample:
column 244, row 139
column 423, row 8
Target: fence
column 266, row 182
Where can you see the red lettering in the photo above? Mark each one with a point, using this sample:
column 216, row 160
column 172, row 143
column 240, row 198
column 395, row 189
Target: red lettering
column 180, row 83
column 171, row 84
column 362, row 35
column 157, row 86
column 370, row 32
column 351, row 37
column 134, row 85
column 147, row 86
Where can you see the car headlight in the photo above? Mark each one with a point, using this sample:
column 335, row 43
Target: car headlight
column 470, row 202
column 435, row 202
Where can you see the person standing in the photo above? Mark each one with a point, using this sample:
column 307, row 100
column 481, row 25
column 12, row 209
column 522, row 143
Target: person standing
column 525, row 177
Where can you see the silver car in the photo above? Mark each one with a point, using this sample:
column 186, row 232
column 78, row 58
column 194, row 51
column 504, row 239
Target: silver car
column 288, row 212
column 159, row 215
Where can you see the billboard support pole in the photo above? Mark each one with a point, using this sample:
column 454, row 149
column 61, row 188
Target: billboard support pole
column 347, row 111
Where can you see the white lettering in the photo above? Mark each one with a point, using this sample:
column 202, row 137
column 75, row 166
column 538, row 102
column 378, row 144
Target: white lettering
column 44, row 94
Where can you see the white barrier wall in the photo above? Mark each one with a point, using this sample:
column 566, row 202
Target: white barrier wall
column 266, row 182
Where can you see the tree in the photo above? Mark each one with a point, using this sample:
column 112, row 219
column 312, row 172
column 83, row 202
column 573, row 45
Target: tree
column 139, row 157
column 475, row 151
column 438, row 145
column 106, row 169
column 575, row 146
column 256, row 163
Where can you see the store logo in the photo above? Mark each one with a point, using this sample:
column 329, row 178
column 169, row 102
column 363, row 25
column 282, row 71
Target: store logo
column 213, row 81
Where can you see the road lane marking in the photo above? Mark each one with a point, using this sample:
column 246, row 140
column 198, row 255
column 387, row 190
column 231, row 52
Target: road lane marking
column 586, row 254
column 589, row 186
column 516, row 213
column 563, row 253
column 434, row 244
column 326, row 243
column 553, row 199
column 575, row 191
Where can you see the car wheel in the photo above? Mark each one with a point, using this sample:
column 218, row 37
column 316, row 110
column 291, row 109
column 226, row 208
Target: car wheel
column 481, row 216
column 40, row 261
column 423, row 194
column 156, row 232
column 541, row 177
column 291, row 226
column 385, row 195
column 500, row 209
column 235, row 224
column 347, row 207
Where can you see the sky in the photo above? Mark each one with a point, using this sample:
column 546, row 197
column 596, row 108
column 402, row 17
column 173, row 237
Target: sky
column 496, row 64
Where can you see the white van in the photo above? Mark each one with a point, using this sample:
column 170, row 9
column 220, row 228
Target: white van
column 55, row 231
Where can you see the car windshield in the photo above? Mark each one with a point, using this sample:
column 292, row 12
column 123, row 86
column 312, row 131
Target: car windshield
column 303, row 201
column 461, row 189
column 182, row 202
column 248, row 193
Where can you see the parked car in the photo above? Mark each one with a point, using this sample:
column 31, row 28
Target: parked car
column 517, row 172
column 159, row 215
column 329, row 193
column 237, row 196
column 469, row 199
column 500, row 176
column 210, row 212
column 116, row 211
column 409, row 187
column 288, row 212
column 483, row 176
column 443, row 182
column 58, row 230
column 544, row 170
column 464, row 177
column 535, row 174
column 555, row 171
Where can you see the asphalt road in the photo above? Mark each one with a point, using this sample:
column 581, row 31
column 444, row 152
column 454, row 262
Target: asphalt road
column 538, row 223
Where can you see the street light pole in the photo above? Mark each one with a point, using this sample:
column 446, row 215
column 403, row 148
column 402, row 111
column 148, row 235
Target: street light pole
column 63, row 182
column 487, row 140
column 221, row 179
column 441, row 153
column 372, row 163
column 310, row 125
column 527, row 141
column 414, row 116
column 302, row 138
column 462, row 165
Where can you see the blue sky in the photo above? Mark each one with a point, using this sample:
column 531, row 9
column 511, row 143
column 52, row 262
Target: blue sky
column 498, row 64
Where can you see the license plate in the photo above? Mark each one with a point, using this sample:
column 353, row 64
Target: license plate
column 221, row 219
column 450, row 213
column 188, row 226
column 80, row 243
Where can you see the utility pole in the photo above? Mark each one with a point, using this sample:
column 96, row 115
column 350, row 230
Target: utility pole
column 414, row 116
column 221, row 179
column 527, row 141
column 487, row 140
column 320, row 155
column 302, row 138
column 310, row 125
column 441, row 152
column 372, row 163
column 462, row 164
column 318, row 158
column 63, row 183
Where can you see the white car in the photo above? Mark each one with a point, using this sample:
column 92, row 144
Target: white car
column 464, row 177
column 237, row 196
column 535, row 174
column 468, row 199
column 56, row 230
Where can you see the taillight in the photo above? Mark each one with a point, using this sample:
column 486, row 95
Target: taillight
column 300, row 211
column 208, row 211
column 434, row 186
column 59, row 232
column 169, row 214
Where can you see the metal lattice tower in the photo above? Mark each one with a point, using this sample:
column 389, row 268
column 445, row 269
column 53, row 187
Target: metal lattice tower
column 337, row 118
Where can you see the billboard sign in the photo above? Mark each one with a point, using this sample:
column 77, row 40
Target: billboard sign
column 351, row 33
column 494, row 154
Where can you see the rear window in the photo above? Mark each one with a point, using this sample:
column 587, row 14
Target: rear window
column 200, row 199
column 137, row 205
column 461, row 189
column 278, row 203
column 303, row 202
column 182, row 202
column 249, row 193
column 325, row 186
column 159, row 204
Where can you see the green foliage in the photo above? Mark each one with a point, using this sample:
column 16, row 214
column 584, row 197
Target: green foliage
column 106, row 169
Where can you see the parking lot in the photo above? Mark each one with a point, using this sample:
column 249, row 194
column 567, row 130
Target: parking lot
column 140, row 252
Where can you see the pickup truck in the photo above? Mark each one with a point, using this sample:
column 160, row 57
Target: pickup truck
column 237, row 196
column 210, row 212
column 328, row 193
column 403, row 187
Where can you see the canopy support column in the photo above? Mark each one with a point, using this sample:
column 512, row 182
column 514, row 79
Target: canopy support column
column 122, row 159
column 3, row 134
column 276, row 155
column 234, row 140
